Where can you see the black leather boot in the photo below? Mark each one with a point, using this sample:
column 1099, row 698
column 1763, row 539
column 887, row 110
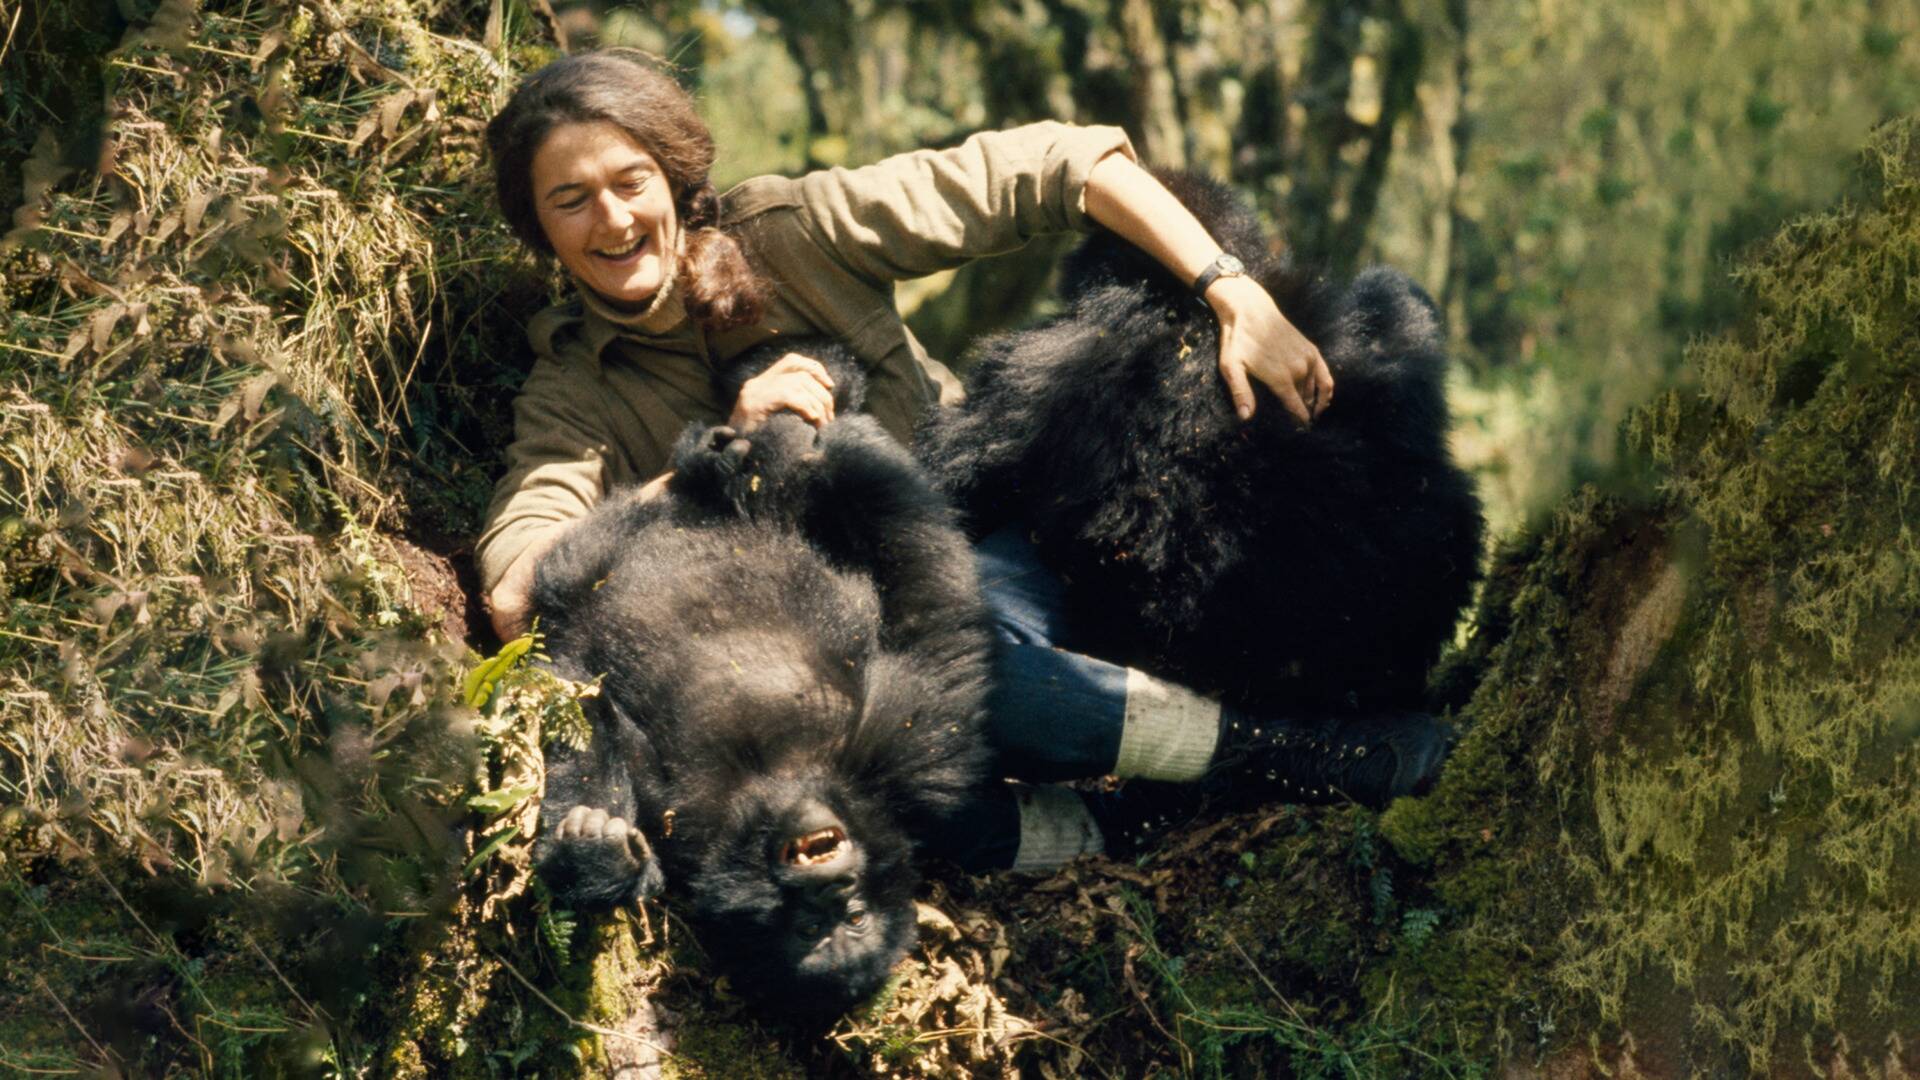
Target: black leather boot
column 1371, row 760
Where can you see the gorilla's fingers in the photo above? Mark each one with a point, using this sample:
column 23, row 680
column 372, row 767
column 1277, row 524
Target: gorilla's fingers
column 570, row 826
column 736, row 451
column 594, row 824
column 719, row 438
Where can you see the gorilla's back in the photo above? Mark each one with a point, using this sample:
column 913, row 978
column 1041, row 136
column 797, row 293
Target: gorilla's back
column 1266, row 561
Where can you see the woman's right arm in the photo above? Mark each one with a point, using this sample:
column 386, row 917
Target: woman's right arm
column 556, row 473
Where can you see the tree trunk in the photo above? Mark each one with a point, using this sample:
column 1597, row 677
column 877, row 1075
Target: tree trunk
column 1156, row 112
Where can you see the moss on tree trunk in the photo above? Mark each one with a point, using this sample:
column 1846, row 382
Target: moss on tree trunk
column 1676, row 836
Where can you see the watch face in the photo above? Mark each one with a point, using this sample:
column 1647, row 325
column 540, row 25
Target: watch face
column 1230, row 265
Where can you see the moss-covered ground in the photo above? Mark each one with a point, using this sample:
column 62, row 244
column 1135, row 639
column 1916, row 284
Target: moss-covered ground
column 264, row 812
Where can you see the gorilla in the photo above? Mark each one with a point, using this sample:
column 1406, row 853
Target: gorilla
column 793, row 658
column 1277, row 565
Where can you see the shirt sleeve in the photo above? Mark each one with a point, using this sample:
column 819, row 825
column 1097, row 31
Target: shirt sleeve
column 556, row 466
column 918, row 213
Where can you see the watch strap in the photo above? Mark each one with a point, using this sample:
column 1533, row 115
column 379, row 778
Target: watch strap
column 1223, row 265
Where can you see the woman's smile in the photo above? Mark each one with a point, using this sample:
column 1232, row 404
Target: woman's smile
column 625, row 254
column 606, row 209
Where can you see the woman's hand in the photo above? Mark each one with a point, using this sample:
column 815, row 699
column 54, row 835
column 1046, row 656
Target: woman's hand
column 1257, row 340
column 795, row 383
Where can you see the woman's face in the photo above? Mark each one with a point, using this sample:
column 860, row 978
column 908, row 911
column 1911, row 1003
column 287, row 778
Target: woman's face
column 606, row 209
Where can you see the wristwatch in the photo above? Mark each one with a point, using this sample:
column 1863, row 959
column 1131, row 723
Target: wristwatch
column 1224, row 266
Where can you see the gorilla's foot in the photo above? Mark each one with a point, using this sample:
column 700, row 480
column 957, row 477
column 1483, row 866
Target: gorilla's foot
column 1370, row 760
column 749, row 474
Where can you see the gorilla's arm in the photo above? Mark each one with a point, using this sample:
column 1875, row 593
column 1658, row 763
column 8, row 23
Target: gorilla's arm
column 583, row 557
column 871, row 506
column 590, row 850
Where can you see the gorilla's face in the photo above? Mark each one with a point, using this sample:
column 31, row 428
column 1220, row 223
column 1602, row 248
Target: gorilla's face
column 820, row 871
column 811, row 902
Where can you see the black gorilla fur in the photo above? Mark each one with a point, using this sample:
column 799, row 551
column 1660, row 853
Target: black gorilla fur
column 791, row 642
column 1275, row 564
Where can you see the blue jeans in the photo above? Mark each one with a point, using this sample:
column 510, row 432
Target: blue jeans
column 1052, row 714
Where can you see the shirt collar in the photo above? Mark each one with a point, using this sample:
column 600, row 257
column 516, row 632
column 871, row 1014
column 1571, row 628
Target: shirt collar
column 661, row 322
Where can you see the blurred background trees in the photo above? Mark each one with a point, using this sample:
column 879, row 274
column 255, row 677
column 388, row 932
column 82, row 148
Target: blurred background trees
column 1568, row 179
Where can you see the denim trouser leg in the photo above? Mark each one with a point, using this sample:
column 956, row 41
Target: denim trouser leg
column 1051, row 714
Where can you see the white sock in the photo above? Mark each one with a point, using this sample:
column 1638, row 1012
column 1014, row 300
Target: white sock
column 1169, row 732
column 1055, row 828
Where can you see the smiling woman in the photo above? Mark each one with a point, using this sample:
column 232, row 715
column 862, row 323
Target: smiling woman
column 606, row 210
column 602, row 150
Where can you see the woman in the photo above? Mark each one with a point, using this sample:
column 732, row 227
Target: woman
column 602, row 162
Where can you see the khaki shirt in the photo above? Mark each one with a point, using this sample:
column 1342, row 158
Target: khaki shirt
column 604, row 403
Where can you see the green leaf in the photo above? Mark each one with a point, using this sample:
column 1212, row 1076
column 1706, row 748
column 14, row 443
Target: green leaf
column 501, row 801
column 482, row 679
column 493, row 845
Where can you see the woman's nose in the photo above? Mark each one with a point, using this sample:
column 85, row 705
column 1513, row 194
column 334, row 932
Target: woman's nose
column 613, row 210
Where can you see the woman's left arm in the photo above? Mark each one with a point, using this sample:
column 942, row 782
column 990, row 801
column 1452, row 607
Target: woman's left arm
column 1255, row 338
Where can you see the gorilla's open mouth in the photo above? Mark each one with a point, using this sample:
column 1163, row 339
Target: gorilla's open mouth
column 817, row 847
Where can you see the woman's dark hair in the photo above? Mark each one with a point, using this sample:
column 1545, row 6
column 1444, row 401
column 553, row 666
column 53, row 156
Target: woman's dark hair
column 622, row 88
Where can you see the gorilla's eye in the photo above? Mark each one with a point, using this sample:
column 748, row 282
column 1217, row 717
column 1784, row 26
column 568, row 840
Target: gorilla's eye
column 807, row 928
column 857, row 918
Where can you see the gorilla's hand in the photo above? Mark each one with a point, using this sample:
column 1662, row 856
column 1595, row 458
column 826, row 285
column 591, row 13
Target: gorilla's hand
column 594, row 860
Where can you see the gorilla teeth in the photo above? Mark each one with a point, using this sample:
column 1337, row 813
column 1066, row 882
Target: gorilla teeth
column 819, row 846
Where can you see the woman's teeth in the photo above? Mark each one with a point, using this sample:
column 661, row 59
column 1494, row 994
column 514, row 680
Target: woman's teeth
column 621, row 253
